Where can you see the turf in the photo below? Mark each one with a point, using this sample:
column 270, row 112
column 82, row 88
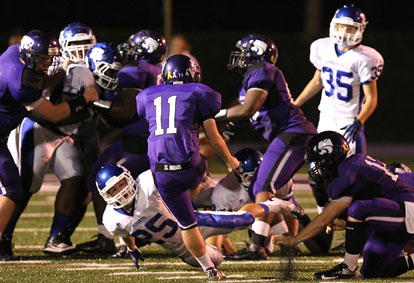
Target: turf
column 159, row 266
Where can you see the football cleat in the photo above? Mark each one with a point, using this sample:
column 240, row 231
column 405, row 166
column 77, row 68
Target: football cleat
column 340, row 271
column 121, row 253
column 292, row 210
column 102, row 245
column 215, row 273
column 248, row 253
column 59, row 245
column 6, row 249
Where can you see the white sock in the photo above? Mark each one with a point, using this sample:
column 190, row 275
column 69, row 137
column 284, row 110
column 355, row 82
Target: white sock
column 261, row 228
column 351, row 260
column 274, row 205
column 280, row 228
column 102, row 230
column 205, row 261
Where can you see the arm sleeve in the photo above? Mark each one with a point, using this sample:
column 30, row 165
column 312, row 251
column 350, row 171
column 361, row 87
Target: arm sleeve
column 208, row 102
column 370, row 67
column 262, row 78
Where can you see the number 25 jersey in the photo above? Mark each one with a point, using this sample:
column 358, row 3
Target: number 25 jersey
column 343, row 75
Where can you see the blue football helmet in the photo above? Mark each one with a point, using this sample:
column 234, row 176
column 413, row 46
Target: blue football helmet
column 250, row 159
column 180, row 69
column 38, row 50
column 253, row 48
column 104, row 61
column 111, row 175
column 75, row 40
column 349, row 15
column 149, row 45
column 325, row 151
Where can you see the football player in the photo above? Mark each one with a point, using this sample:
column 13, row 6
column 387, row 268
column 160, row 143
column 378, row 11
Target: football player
column 147, row 50
column 379, row 210
column 38, row 145
column 347, row 73
column 136, row 213
column 174, row 111
column 26, row 71
column 266, row 100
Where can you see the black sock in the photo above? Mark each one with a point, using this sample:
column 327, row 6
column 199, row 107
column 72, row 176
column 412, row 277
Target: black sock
column 355, row 237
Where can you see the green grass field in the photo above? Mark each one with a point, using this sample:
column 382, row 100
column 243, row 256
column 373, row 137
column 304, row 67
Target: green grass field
column 159, row 266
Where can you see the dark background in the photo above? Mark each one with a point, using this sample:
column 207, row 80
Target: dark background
column 213, row 27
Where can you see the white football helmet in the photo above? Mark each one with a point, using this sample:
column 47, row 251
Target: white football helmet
column 349, row 15
column 111, row 175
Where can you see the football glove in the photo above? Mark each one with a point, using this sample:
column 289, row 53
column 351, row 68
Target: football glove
column 229, row 130
column 136, row 255
column 352, row 130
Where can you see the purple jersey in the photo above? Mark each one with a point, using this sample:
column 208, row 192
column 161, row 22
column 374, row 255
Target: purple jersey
column 15, row 89
column 362, row 178
column 174, row 114
column 278, row 114
column 139, row 76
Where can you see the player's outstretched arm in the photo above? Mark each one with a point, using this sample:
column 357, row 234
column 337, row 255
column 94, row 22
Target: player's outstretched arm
column 219, row 145
column 313, row 87
column 317, row 225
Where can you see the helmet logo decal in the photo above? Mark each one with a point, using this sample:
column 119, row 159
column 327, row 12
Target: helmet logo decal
column 324, row 147
column 27, row 42
column 150, row 44
column 97, row 54
column 259, row 47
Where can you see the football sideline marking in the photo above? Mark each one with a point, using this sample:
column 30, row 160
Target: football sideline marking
column 128, row 265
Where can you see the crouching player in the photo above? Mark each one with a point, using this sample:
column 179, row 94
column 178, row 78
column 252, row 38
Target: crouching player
column 135, row 211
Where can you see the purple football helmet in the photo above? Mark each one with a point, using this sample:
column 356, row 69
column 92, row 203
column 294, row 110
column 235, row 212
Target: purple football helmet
column 253, row 48
column 348, row 15
column 75, row 40
column 38, row 50
column 325, row 151
column 180, row 69
column 104, row 61
column 126, row 50
column 149, row 45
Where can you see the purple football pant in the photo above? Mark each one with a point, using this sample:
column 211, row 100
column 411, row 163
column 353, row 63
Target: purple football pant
column 386, row 233
column 173, row 188
column 10, row 183
column 280, row 163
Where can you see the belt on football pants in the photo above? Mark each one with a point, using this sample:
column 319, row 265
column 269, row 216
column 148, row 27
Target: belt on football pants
column 161, row 167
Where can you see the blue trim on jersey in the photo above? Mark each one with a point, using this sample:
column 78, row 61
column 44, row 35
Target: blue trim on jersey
column 338, row 51
column 224, row 220
column 27, row 146
column 124, row 212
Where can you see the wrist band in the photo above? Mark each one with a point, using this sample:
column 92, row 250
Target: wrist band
column 221, row 116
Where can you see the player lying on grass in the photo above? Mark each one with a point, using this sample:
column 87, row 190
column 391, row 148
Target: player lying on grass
column 136, row 213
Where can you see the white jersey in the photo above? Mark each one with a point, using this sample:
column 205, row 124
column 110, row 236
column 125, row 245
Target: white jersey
column 150, row 219
column 344, row 75
column 78, row 77
column 229, row 194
